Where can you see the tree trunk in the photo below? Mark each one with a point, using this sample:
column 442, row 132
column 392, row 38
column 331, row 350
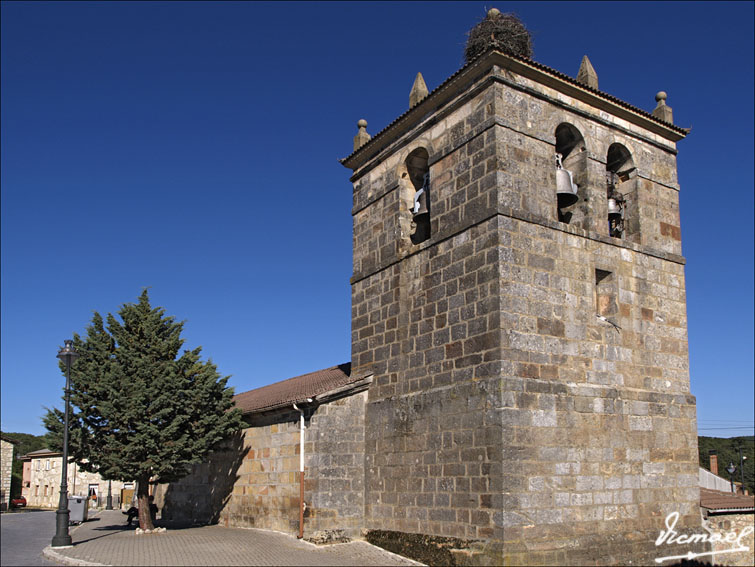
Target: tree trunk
column 143, row 502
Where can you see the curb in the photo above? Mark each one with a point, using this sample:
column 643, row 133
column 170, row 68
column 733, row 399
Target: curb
column 60, row 558
column 50, row 553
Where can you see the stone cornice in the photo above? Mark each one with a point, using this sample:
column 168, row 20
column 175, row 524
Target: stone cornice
column 541, row 74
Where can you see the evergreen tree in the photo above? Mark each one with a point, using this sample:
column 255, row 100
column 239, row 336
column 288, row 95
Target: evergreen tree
column 139, row 410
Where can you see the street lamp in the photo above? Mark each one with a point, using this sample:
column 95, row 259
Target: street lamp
column 62, row 538
column 109, row 495
column 730, row 469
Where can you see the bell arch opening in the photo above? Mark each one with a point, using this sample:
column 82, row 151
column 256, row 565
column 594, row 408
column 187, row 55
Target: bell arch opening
column 571, row 170
column 417, row 171
column 621, row 192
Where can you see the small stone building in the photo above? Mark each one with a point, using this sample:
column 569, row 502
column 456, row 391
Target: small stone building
column 7, row 447
column 45, row 475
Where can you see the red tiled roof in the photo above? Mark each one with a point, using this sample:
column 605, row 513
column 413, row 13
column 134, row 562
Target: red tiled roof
column 717, row 500
column 296, row 389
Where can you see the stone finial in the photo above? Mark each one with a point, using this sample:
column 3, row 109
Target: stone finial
column 587, row 75
column 663, row 111
column 362, row 136
column 419, row 90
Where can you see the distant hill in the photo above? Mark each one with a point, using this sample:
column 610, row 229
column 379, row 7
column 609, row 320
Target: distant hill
column 727, row 453
column 26, row 444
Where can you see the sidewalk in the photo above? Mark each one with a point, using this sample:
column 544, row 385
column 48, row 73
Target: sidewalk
column 106, row 540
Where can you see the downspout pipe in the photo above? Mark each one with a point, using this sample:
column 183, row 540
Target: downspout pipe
column 301, row 468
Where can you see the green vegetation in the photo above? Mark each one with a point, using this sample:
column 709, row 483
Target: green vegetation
column 728, row 453
column 26, row 444
column 139, row 410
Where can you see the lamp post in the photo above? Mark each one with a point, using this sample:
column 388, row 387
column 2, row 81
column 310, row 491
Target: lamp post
column 62, row 538
column 109, row 505
column 742, row 467
column 730, row 469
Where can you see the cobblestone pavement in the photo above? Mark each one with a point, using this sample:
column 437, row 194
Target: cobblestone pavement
column 105, row 540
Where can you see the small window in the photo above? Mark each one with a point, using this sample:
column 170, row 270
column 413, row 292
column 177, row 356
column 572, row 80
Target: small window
column 45, row 490
column 36, row 490
column 47, row 465
column 606, row 295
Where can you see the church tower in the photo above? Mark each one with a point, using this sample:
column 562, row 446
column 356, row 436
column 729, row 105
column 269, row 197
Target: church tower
column 518, row 293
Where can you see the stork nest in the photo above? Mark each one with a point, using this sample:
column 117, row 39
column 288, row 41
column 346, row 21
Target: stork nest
column 502, row 32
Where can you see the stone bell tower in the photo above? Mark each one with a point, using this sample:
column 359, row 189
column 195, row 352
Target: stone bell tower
column 518, row 292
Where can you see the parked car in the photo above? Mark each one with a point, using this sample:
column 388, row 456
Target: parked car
column 19, row 502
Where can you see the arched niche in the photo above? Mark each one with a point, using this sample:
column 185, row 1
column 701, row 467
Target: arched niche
column 570, row 146
column 415, row 195
column 621, row 192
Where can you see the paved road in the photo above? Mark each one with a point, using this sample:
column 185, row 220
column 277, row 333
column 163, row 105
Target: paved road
column 23, row 536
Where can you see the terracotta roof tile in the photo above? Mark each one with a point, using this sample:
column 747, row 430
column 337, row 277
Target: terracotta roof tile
column 717, row 500
column 296, row 389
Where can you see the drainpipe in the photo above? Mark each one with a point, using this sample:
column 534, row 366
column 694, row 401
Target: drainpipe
column 301, row 469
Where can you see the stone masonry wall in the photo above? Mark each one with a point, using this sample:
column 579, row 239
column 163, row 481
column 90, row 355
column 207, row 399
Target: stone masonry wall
column 741, row 525
column 253, row 481
column 600, row 425
column 6, row 465
column 426, row 320
column 334, row 470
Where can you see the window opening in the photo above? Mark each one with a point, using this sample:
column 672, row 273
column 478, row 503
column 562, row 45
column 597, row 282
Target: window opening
column 605, row 293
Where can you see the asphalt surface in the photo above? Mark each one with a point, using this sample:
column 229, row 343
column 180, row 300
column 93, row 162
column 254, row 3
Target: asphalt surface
column 23, row 536
column 106, row 540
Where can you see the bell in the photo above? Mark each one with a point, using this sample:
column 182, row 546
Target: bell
column 566, row 190
column 613, row 208
column 420, row 198
column 420, row 203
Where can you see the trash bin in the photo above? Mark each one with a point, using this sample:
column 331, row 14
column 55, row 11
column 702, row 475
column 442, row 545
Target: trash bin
column 77, row 509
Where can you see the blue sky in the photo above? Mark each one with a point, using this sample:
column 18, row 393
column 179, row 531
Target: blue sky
column 192, row 147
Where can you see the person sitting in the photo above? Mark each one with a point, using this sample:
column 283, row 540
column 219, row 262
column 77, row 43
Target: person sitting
column 152, row 509
column 132, row 513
